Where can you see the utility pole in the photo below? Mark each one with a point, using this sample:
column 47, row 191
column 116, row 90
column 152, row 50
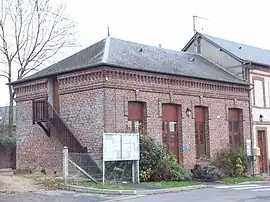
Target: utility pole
column 108, row 31
column 194, row 23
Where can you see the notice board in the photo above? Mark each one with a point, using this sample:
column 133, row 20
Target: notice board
column 121, row 146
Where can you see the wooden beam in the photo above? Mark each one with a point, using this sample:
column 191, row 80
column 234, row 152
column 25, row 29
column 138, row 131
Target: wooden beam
column 46, row 129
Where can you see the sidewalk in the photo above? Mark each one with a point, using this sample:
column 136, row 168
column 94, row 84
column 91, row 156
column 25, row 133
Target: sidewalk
column 142, row 189
column 139, row 189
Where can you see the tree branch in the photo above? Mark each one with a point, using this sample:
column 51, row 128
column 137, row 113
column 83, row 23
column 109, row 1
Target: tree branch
column 4, row 49
column 3, row 75
column 38, row 33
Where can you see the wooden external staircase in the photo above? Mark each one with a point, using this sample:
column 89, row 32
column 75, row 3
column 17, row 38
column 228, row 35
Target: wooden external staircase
column 49, row 120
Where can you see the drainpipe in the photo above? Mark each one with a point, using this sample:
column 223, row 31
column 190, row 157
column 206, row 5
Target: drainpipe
column 248, row 68
column 251, row 131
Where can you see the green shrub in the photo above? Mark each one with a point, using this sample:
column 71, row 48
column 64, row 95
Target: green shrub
column 151, row 154
column 145, row 175
column 178, row 172
column 206, row 173
column 226, row 160
column 156, row 165
column 240, row 168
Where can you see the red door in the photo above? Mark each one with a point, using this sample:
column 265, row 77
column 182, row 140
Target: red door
column 200, row 131
column 262, row 146
column 170, row 136
column 55, row 95
column 236, row 138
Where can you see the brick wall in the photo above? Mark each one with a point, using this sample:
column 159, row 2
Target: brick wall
column 35, row 150
column 218, row 127
column 83, row 113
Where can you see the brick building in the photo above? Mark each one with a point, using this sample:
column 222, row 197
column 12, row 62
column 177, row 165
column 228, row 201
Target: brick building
column 182, row 99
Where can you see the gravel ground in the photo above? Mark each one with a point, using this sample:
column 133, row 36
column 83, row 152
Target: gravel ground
column 19, row 188
column 17, row 183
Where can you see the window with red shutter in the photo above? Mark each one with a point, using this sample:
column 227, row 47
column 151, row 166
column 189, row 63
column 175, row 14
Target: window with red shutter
column 136, row 117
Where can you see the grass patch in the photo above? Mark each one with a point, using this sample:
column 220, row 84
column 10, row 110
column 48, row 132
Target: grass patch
column 235, row 180
column 172, row 184
column 112, row 186
column 115, row 186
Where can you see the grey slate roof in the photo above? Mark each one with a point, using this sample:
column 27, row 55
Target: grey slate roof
column 246, row 53
column 130, row 55
column 4, row 115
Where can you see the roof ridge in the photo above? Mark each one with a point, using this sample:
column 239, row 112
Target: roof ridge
column 106, row 50
column 144, row 44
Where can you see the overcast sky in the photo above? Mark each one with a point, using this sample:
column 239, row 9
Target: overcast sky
column 166, row 22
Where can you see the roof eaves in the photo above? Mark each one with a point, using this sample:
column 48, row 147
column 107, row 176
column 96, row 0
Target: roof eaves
column 260, row 64
column 58, row 73
column 196, row 77
column 126, row 67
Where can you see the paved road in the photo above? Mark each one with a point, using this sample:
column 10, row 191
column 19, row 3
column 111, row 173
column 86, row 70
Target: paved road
column 56, row 196
column 230, row 193
column 220, row 193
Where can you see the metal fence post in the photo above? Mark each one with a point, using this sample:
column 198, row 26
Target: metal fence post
column 65, row 164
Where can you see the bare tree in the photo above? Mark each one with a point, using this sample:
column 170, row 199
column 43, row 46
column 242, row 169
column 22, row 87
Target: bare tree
column 31, row 33
column 3, row 114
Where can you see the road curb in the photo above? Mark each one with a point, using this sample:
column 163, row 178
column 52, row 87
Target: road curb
column 255, row 182
column 172, row 190
column 249, row 182
column 220, row 182
column 132, row 192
